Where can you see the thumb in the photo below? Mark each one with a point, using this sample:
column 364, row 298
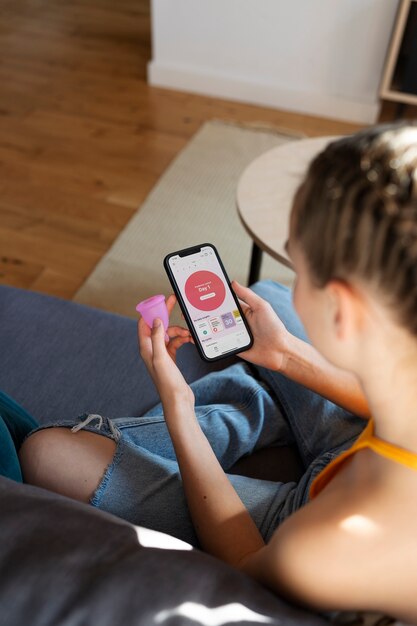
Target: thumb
column 247, row 295
column 158, row 338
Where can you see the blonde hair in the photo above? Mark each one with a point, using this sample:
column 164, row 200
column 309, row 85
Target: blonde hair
column 355, row 214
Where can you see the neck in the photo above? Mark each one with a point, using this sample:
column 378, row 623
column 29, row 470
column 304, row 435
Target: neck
column 390, row 386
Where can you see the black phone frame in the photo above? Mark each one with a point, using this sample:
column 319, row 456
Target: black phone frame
column 183, row 307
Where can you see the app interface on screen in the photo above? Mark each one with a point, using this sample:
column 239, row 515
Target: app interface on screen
column 212, row 308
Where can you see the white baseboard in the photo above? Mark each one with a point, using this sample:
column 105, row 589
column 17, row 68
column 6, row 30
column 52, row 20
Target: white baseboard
column 263, row 94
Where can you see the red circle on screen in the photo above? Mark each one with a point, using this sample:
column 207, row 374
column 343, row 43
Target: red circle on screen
column 205, row 290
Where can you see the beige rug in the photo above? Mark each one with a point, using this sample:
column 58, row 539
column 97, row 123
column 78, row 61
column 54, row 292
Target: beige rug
column 193, row 202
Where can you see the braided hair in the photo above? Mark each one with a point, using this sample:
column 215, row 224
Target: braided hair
column 355, row 215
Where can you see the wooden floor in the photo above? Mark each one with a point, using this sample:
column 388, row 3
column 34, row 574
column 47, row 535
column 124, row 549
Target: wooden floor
column 83, row 138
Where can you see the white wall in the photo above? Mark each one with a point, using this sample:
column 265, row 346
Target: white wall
column 322, row 57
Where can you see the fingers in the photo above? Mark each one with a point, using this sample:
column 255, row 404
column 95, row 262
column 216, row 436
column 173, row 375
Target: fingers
column 176, row 343
column 170, row 302
column 245, row 307
column 158, row 339
column 178, row 331
column 144, row 337
column 143, row 328
column 246, row 294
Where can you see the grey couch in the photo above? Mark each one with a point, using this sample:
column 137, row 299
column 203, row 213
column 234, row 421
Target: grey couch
column 62, row 562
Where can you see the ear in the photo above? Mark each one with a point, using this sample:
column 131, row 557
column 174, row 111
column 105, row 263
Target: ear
column 346, row 309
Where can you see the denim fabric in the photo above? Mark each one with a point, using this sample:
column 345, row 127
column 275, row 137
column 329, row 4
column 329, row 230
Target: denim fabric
column 237, row 414
column 241, row 408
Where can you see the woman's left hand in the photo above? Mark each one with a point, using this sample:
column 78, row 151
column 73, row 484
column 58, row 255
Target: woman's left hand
column 159, row 355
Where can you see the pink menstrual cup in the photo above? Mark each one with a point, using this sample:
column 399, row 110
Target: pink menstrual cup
column 154, row 307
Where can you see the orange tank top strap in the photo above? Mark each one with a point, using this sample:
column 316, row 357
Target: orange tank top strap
column 365, row 440
column 326, row 475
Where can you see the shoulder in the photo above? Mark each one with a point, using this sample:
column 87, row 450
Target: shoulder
column 316, row 557
column 351, row 548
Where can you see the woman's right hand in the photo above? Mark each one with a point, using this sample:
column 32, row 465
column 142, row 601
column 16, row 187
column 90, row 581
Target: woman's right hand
column 271, row 338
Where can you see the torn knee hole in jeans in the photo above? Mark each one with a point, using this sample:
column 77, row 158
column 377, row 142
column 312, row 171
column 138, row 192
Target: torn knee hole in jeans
column 91, row 417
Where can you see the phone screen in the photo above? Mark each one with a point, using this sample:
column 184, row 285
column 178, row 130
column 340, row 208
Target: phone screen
column 212, row 309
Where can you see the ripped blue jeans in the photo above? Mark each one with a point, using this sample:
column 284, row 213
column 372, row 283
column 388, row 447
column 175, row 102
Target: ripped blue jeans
column 240, row 409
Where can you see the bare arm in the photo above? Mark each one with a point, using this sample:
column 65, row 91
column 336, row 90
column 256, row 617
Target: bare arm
column 221, row 520
column 218, row 514
column 290, row 564
column 277, row 349
column 305, row 365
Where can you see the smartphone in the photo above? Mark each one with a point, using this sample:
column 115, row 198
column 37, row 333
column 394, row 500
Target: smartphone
column 210, row 307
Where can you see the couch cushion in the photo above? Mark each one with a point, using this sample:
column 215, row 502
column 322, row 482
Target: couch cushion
column 63, row 562
column 61, row 359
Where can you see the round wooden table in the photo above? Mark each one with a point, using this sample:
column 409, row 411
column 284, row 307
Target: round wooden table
column 264, row 197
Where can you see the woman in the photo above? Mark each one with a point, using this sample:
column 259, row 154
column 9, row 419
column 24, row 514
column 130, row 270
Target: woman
column 344, row 537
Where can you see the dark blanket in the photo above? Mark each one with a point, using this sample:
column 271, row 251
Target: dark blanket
column 63, row 562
